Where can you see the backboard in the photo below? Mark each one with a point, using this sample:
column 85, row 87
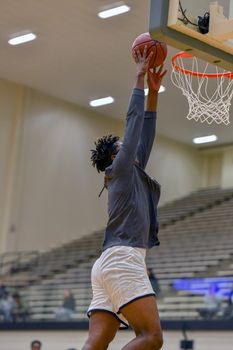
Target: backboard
column 177, row 23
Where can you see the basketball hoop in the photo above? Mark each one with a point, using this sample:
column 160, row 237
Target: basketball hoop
column 206, row 103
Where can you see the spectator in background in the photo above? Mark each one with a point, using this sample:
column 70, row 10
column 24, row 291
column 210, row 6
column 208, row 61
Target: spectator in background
column 228, row 312
column 6, row 307
column 212, row 301
column 20, row 310
column 2, row 289
column 36, row 345
column 65, row 312
column 154, row 281
column 230, row 296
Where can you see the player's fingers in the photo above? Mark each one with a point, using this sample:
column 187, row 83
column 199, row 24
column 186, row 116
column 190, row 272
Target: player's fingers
column 144, row 52
column 160, row 68
column 137, row 55
column 149, row 73
column 164, row 73
column 147, row 60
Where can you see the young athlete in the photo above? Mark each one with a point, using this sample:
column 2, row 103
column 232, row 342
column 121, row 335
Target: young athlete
column 122, row 293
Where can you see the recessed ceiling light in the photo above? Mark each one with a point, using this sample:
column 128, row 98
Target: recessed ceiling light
column 114, row 11
column 102, row 101
column 22, row 39
column 162, row 89
column 205, row 139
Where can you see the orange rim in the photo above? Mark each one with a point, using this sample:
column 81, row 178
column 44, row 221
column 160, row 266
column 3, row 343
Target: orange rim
column 196, row 74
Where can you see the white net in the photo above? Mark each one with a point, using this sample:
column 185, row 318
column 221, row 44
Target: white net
column 207, row 102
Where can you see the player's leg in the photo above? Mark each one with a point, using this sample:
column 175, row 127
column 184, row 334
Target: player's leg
column 103, row 323
column 102, row 330
column 142, row 315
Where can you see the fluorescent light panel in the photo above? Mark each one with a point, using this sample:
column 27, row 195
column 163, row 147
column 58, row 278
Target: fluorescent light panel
column 114, row 11
column 205, row 139
column 102, row 101
column 22, row 39
column 162, row 89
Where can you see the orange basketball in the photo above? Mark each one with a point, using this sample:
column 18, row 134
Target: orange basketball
column 158, row 48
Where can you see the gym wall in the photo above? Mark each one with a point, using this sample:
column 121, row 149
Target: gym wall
column 48, row 188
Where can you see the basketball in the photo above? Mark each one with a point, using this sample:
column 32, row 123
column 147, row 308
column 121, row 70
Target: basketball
column 158, row 48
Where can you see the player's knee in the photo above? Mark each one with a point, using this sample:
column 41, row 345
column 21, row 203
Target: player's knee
column 155, row 340
column 96, row 343
column 94, row 346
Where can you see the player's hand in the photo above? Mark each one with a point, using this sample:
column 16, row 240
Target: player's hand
column 154, row 78
column 142, row 62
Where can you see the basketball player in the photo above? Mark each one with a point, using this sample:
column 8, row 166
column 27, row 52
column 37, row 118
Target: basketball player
column 122, row 293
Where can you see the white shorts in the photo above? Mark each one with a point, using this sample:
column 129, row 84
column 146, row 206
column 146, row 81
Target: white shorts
column 119, row 277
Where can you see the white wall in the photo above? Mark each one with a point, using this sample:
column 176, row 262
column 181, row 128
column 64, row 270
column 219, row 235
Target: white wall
column 177, row 167
column 218, row 167
column 212, row 169
column 55, row 188
column 10, row 107
column 227, row 168
column 6, row 115
column 59, row 187
column 48, row 188
column 231, row 9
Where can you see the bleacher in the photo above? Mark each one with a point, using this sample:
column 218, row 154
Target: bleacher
column 188, row 205
column 196, row 234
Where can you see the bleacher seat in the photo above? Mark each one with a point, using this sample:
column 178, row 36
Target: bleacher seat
column 196, row 234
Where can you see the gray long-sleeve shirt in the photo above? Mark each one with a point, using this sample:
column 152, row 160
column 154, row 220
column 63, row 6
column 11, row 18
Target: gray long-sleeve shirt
column 132, row 195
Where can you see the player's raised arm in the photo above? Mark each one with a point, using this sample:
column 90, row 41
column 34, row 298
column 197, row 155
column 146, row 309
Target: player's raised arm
column 126, row 156
column 154, row 79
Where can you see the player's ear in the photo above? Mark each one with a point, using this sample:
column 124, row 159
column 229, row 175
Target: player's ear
column 113, row 156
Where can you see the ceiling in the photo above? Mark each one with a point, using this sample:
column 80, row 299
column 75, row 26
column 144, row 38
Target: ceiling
column 79, row 57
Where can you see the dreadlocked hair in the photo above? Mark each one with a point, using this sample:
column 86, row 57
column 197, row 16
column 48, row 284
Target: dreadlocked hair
column 105, row 148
